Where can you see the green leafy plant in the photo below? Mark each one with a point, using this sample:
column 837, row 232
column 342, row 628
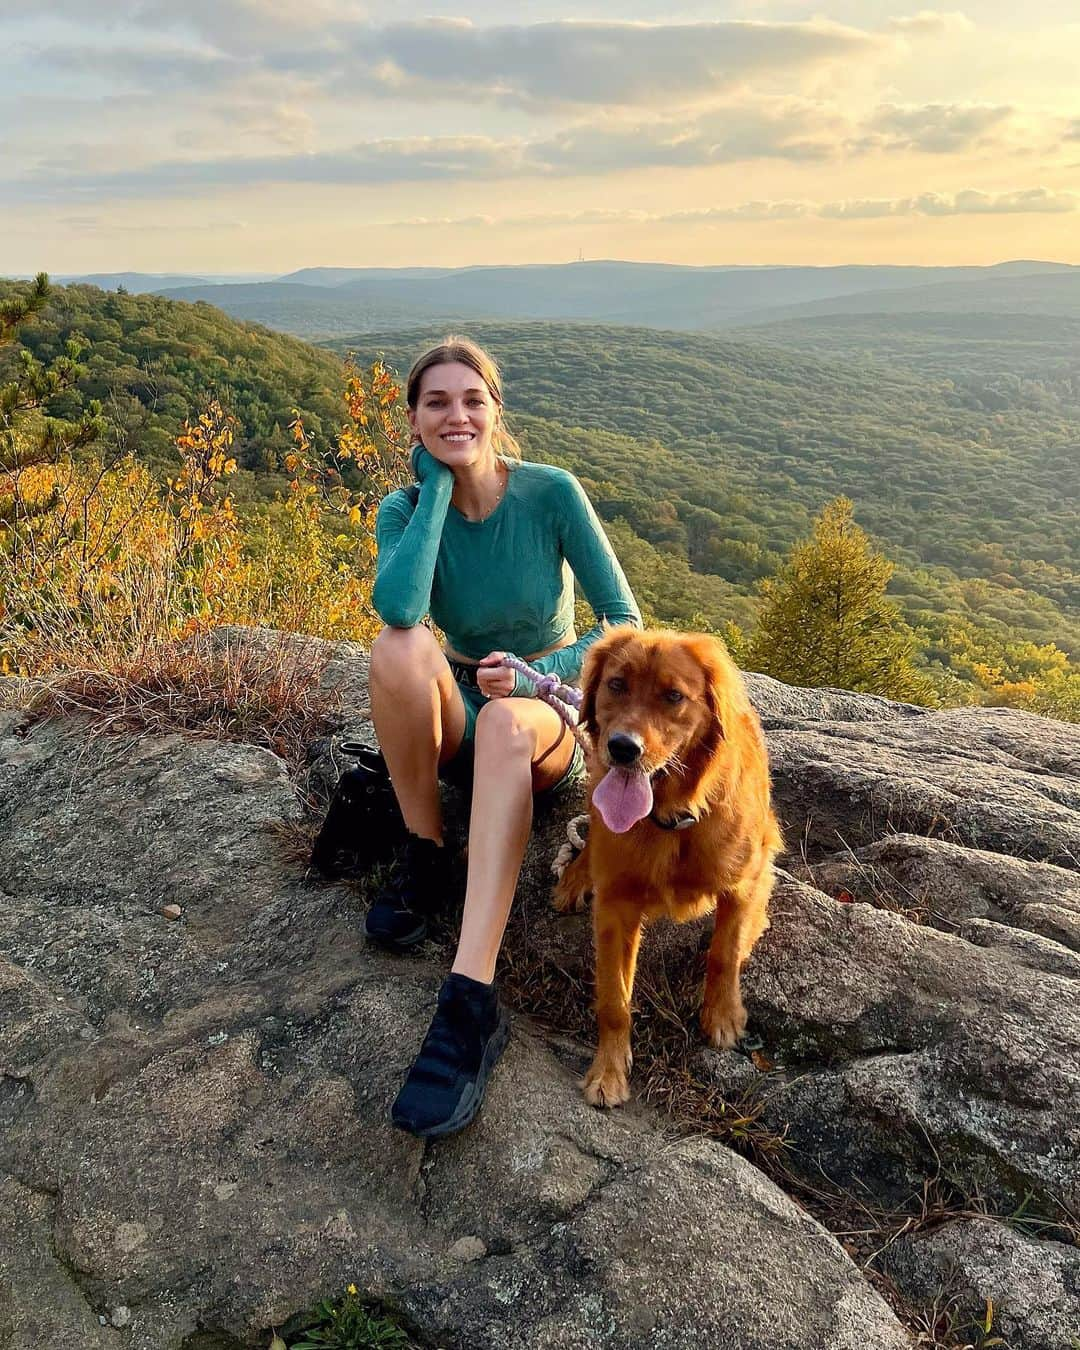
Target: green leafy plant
column 346, row 1323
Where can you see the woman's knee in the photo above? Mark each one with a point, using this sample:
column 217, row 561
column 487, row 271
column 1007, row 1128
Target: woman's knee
column 398, row 653
column 501, row 730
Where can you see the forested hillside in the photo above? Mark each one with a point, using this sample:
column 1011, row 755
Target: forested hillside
column 153, row 362
column 707, row 457
column 999, row 361
column 725, row 450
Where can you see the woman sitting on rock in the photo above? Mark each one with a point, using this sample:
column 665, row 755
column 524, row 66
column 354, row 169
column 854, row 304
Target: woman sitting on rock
column 486, row 546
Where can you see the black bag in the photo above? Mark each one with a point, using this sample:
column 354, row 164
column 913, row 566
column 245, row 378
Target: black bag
column 363, row 822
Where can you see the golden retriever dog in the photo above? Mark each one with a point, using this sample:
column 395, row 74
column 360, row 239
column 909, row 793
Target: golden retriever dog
column 680, row 824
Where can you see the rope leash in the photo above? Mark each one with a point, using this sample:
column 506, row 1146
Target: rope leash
column 566, row 702
column 574, row 844
column 561, row 697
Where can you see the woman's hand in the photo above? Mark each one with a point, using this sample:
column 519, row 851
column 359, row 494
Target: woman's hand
column 425, row 465
column 495, row 679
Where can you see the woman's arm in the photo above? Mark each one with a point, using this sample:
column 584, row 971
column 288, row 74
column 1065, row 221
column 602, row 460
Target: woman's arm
column 408, row 538
column 593, row 562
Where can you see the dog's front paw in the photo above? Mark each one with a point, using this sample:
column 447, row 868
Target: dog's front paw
column 607, row 1083
column 724, row 1023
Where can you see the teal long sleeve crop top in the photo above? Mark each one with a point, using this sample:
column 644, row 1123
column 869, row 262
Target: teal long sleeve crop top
column 504, row 583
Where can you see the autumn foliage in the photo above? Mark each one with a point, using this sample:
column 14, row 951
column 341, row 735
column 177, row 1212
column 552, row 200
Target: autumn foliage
column 102, row 567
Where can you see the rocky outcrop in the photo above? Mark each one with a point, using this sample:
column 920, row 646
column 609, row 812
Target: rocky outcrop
column 982, row 896
column 915, row 1005
column 1031, row 1289
column 193, row 1110
column 986, row 778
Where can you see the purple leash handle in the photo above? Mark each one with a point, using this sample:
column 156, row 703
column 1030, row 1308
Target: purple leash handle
column 561, row 697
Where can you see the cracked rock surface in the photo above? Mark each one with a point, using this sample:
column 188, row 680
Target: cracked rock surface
column 194, row 1133
column 1034, row 1287
column 193, row 1112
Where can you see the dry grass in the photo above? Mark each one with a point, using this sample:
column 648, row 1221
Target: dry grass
column 943, row 1324
column 261, row 694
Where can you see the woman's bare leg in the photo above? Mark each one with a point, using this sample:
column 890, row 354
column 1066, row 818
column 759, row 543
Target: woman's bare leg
column 419, row 719
column 522, row 747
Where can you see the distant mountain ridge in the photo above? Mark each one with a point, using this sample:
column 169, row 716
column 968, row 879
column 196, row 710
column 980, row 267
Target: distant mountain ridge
column 330, row 302
column 140, row 283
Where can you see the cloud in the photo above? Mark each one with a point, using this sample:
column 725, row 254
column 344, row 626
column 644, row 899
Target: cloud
column 564, row 64
column 932, row 23
column 969, row 202
column 966, row 202
column 757, row 210
column 768, row 129
column 934, row 128
column 228, row 21
column 159, row 67
column 535, row 67
column 388, row 161
column 96, row 225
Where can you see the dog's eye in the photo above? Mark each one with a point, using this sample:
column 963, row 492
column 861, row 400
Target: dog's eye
column 674, row 695
column 617, row 685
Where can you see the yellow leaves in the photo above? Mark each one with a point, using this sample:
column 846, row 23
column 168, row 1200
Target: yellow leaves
column 124, row 559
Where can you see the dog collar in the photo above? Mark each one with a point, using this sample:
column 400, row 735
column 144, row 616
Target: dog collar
column 682, row 821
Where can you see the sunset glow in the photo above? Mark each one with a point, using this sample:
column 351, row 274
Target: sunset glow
column 264, row 135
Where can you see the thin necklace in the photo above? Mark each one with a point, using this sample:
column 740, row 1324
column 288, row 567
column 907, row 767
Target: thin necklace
column 498, row 498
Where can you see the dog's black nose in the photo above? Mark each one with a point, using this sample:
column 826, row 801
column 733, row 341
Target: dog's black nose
column 624, row 749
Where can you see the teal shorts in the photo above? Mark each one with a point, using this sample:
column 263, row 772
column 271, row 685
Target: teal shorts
column 459, row 770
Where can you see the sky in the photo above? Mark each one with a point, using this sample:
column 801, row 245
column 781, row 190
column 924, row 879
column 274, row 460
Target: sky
column 247, row 136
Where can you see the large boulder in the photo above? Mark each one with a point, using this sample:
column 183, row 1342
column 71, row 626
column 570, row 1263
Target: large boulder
column 988, row 778
column 955, row 888
column 194, row 1110
column 1030, row 1289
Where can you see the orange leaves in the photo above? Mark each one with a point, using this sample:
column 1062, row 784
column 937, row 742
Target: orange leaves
column 118, row 560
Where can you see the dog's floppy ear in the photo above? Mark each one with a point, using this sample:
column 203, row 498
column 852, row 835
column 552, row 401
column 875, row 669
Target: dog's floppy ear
column 721, row 681
column 593, row 672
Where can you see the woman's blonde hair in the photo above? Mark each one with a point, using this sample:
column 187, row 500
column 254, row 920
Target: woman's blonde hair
column 457, row 348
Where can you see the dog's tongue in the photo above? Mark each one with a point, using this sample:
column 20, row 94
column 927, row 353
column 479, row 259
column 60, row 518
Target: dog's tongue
column 623, row 797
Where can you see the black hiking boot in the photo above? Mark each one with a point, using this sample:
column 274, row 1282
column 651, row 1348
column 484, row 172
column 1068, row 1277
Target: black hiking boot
column 445, row 1086
column 398, row 917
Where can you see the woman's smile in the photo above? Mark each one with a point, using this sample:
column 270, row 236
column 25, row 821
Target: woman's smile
column 455, row 412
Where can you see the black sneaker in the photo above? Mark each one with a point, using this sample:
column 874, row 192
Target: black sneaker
column 446, row 1085
column 398, row 917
